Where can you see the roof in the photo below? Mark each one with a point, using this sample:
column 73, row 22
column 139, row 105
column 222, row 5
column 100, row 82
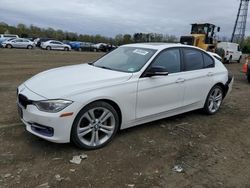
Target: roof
column 156, row 46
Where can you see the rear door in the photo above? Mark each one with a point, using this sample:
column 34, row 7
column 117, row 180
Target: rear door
column 25, row 43
column 198, row 75
column 238, row 52
column 59, row 46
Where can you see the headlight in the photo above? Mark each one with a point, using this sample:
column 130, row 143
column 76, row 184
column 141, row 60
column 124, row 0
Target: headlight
column 52, row 106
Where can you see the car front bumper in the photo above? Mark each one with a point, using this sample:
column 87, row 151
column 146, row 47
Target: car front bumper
column 49, row 126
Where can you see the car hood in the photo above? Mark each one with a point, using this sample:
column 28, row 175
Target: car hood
column 67, row 81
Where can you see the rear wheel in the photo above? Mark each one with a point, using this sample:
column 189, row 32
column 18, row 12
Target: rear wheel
column 8, row 46
column 48, row 48
column 230, row 59
column 214, row 100
column 29, row 47
column 95, row 126
column 239, row 60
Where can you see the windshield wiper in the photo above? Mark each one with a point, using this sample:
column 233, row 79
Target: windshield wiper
column 105, row 67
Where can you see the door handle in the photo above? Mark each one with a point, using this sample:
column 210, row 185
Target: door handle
column 210, row 74
column 180, row 80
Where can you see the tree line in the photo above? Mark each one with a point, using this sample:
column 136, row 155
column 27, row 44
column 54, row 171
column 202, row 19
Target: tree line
column 32, row 31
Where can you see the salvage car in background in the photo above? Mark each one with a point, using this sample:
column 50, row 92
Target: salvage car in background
column 55, row 45
column 232, row 51
column 39, row 41
column 86, row 46
column 80, row 46
column 18, row 43
column 4, row 37
column 134, row 84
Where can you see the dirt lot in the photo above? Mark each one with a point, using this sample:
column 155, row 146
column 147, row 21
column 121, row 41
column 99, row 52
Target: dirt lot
column 214, row 151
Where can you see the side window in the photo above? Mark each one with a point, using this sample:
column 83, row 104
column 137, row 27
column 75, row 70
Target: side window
column 208, row 61
column 193, row 59
column 238, row 48
column 170, row 59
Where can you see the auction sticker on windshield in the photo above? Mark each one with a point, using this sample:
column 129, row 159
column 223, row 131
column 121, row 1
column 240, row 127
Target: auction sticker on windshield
column 141, row 52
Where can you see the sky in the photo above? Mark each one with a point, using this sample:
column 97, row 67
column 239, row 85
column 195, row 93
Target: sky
column 112, row 17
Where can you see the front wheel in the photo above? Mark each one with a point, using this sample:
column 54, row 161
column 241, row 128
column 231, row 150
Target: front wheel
column 9, row 46
column 239, row 60
column 48, row 48
column 66, row 49
column 214, row 100
column 95, row 126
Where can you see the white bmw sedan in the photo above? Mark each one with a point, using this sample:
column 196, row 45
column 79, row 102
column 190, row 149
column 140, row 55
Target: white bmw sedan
column 134, row 84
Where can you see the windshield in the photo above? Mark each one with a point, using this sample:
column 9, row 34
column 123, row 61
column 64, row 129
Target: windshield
column 125, row 59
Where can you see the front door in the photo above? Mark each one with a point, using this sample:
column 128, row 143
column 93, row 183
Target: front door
column 160, row 94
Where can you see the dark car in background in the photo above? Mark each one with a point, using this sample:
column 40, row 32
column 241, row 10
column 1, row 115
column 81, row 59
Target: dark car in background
column 86, row 46
column 80, row 46
column 39, row 41
column 102, row 47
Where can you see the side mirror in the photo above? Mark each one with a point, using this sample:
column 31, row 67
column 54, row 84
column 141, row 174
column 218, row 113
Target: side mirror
column 156, row 71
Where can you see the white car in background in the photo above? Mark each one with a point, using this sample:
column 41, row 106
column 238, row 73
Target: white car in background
column 55, row 45
column 4, row 37
column 131, row 85
column 232, row 51
column 18, row 43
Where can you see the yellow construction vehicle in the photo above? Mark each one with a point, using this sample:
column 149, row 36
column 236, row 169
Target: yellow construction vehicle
column 202, row 36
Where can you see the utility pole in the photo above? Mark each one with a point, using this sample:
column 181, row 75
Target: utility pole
column 240, row 23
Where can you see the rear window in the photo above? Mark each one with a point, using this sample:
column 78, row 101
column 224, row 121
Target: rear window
column 208, row 61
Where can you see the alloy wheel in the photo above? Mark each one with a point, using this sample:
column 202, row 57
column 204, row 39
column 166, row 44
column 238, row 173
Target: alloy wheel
column 96, row 126
column 215, row 100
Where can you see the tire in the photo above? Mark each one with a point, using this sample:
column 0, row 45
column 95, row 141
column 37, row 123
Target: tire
column 29, row 47
column 99, row 122
column 239, row 59
column 48, row 48
column 66, row 49
column 95, row 50
column 248, row 77
column 214, row 100
column 230, row 59
column 9, row 46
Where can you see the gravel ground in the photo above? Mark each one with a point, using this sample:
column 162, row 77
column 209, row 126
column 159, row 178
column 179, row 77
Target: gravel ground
column 213, row 151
